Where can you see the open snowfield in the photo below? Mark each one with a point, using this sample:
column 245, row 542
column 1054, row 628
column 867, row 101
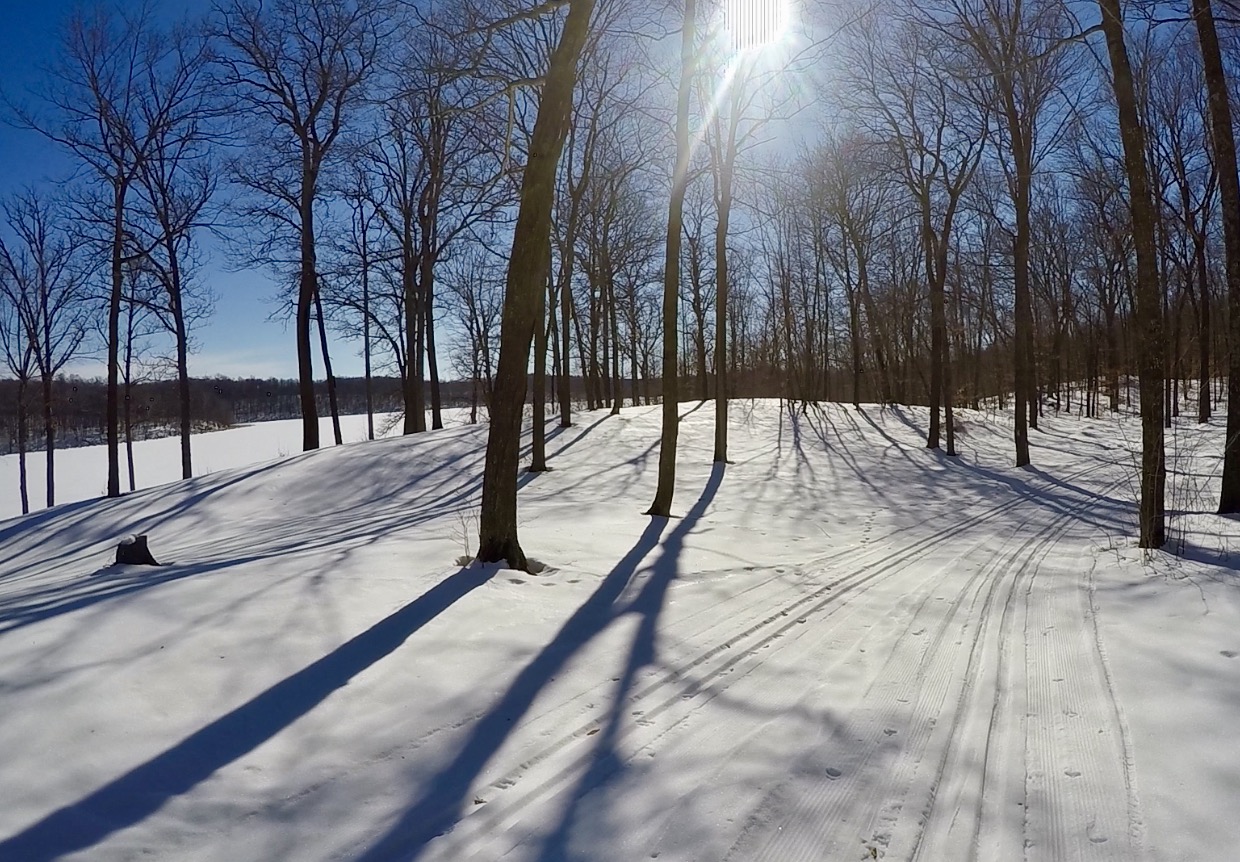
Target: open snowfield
column 82, row 473
column 846, row 648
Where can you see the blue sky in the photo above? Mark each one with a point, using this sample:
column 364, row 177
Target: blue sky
column 238, row 340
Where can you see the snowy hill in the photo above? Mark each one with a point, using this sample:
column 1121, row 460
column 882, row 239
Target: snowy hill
column 847, row 648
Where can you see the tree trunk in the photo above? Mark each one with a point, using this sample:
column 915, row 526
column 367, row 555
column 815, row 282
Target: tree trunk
column 949, row 419
column 22, row 445
column 1224, row 142
column 531, row 243
column 427, row 292
column 698, row 305
column 112, row 418
column 1148, row 321
column 722, row 284
column 1203, row 331
column 366, row 364
column 538, row 433
column 49, row 441
column 333, row 403
column 415, row 321
column 128, row 379
column 1023, row 347
column 432, row 362
column 938, row 330
column 307, row 286
column 662, row 505
column 180, row 331
column 566, row 313
column 617, row 390
column 872, row 319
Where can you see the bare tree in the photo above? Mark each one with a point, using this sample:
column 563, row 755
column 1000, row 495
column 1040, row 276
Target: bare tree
column 937, row 139
column 140, row 325
column 438, row 178
column 664, row 491
column 1021, row 47
column 1179, row 134
column 177, row 182
column 476, row 285
column 18, row 351
column 1149, row 322
column 112, row 89
column 527, row 273
column 1222, row 136
column 298, row 72
column 847, row 176
column 44, row 284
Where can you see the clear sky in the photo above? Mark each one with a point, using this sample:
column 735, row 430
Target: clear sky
column 238, row 340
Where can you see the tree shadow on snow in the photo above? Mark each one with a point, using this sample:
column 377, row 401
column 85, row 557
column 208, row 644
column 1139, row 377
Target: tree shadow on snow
column 606, row 765
column 384, row 507
column 142, row 791
column 438, row 808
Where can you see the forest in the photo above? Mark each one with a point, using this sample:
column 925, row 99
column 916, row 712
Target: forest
column 588, row 203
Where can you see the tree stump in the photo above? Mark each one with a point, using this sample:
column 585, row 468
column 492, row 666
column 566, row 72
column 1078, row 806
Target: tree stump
column 133, row 551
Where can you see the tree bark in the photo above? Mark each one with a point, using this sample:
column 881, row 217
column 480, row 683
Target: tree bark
column 1149, row 323
column 662, row 505
column 428, row 217
column 112, row 418
column 938, row 327
column 1222, row 135
column 180, row 331
column 1203, row 330
column 128, row 412
column 22, row 445
column 566, row 311
column 722, row 278
column 617, row 389
column 527, row 274
column 1023, row 346
column 49, row 438
column 538, row 433
column 333, row 403
column 415, row 408
column 307, row 286
column 370, row 393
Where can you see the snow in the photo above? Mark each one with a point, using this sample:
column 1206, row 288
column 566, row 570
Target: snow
column 82, row 472
column 845, row 647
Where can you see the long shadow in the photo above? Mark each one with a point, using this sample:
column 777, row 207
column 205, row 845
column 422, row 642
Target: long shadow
column 441, row 489
column 605, row 762
column 70, row 519
column 833, row 443
column 438, row 807
column 143, row 790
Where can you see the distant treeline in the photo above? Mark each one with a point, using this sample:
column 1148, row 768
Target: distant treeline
column 78, row 406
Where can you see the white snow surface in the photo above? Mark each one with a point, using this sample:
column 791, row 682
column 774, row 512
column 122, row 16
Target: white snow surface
column 82, row 472
column 844, row 647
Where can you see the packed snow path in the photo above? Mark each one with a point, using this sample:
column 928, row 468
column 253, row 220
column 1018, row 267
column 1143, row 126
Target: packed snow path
column 846, row 648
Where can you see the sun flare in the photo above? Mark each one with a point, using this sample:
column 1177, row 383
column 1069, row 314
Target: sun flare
column 754, row 24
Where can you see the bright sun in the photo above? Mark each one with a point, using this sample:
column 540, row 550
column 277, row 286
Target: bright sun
column 754, row 24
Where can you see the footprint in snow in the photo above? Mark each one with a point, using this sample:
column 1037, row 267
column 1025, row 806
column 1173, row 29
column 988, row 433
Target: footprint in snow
column 515, row 581
column 1228, row 653
column 833, row 773
column 1072, row 773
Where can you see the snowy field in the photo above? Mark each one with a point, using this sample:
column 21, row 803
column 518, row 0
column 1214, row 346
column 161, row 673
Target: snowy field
column 82, row 473
column 845, row 648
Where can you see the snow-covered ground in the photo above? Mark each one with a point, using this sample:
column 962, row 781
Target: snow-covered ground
column 82, row 472
column 846, row 647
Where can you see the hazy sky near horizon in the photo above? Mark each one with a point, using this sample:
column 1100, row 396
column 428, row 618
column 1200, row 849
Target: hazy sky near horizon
column 238, row 340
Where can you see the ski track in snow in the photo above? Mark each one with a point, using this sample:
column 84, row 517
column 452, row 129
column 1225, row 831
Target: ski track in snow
column 934, row 684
